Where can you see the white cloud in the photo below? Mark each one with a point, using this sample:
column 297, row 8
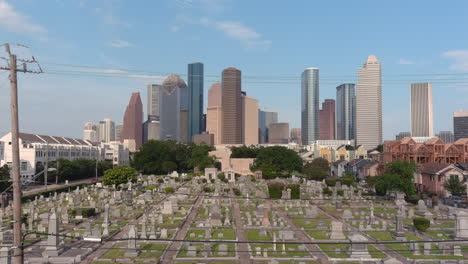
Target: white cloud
column 406, row 61
column 460, row 58
column 118, row 43
column 16, row 22
column 147, row 76
column 238, row 31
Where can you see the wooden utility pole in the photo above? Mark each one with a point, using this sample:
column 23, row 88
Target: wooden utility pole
column 12, row 67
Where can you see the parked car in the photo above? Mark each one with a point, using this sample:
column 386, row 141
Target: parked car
column 455, row 201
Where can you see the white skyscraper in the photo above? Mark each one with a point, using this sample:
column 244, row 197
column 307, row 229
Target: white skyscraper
column 422, row 124
column 310, row 106
column 91, row 132
column 118, row 131
column 106, row 130
column 369, row 104
column 154, row 100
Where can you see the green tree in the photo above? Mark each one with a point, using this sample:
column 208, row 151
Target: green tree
column 244, row 152
column 277, row 159
column 454, row 186
column 4, row 178
column 119, row 175
column 200, row 158
column 398, row 176
column 317, row 170
column 169, row 166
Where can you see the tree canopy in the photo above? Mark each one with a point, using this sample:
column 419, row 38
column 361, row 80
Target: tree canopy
column 317, row 170
column 160, row 157
column 454, row 186
column 244, row 152
column 4, row 178
column 276, row 159
column 119, row 175
column 399, row 176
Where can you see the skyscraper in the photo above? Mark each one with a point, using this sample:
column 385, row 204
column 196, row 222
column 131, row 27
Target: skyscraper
column 195, row 99
column 151, row 129
column 369, row 104
column 133, row 121
column 153, row 93
column 106, row 130
column 265, row 118
column 345, row 111
column 279, row 133
column 118, row 131
column 460, row 124
column 250, row 120
column 310, row 106
column 446, row 136
column 402, row 135
column 173, row 100
column 231, row 103
column 214, row 116
column 296, row 135
column 91, row 132
column 327, row 120
column 422, row 124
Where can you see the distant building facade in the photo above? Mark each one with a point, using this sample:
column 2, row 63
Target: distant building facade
column 460, row 124
column 422, row 124
column 91, row 132
column 327, row 120
column 296, row 135
column 446, row 136
column 279, row 133
column 118, row 131
column 369, row 104
column 214, row 115
column 346, row 111
column 231, row 103
column 402, row 135
column 249, row 120
column 203, row 138
column 173, row 99
column 265, row 118
column 133, row 119
column 106, row 130
column 195, row 99
column 310, row 105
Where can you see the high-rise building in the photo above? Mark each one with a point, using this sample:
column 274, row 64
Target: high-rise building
column 173, row 104
column 214, row 117
column 310, row 106
column 106, row 130
column 151, row 129
column 296, row 135
column 279, row 133
column 153, row 93
column 195, row 99
column 422, row 124
column 460, row 124
column 91, row 132
column 133, row 121
column 402, row 135
column 446, row 136
column 231, row 103
column 118, row 131
column 369, row 104
column 249, row 120
column 265, row 118
column 345, row 112
column 327, row 120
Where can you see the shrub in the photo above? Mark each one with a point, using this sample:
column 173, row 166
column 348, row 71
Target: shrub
column 340, row 192
column 421, row 223
column 327, row 191
column 275, row 190
column 252, row 178
column 169, row 189
column 207, row 189
column 236, row 191
column 160, row 180
column 222, row 177
column 204, row 180
column 295, row 190
column 413, row 198
column 212, row 181
column 85, row 212
column 330, row 182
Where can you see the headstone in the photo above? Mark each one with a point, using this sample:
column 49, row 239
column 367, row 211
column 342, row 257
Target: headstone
column 359, row 250
column 222, row 250
column 132, row 235
column 422, row 207
column 461, row 224
column 337, row 231
column 52, row 237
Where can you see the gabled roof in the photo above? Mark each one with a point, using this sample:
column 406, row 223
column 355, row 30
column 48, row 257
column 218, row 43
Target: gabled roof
column 31, row 138
column 408, row 140
column 433, row 141
column 338, row 162
column 461, row 141
column 462, row 165
column 432, row 168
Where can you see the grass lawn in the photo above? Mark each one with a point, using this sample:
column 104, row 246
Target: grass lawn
column 329, row 249
column 153, row 251
column 228, row 234
column 375, row 253
column 445, row 234
column 291, row 250
column 197, row 232
column 113, row 253
column 254, row 235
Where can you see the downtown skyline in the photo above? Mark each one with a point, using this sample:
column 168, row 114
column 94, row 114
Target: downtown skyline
column 43, row 94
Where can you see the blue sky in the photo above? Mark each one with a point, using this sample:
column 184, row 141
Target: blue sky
column 272, row 42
